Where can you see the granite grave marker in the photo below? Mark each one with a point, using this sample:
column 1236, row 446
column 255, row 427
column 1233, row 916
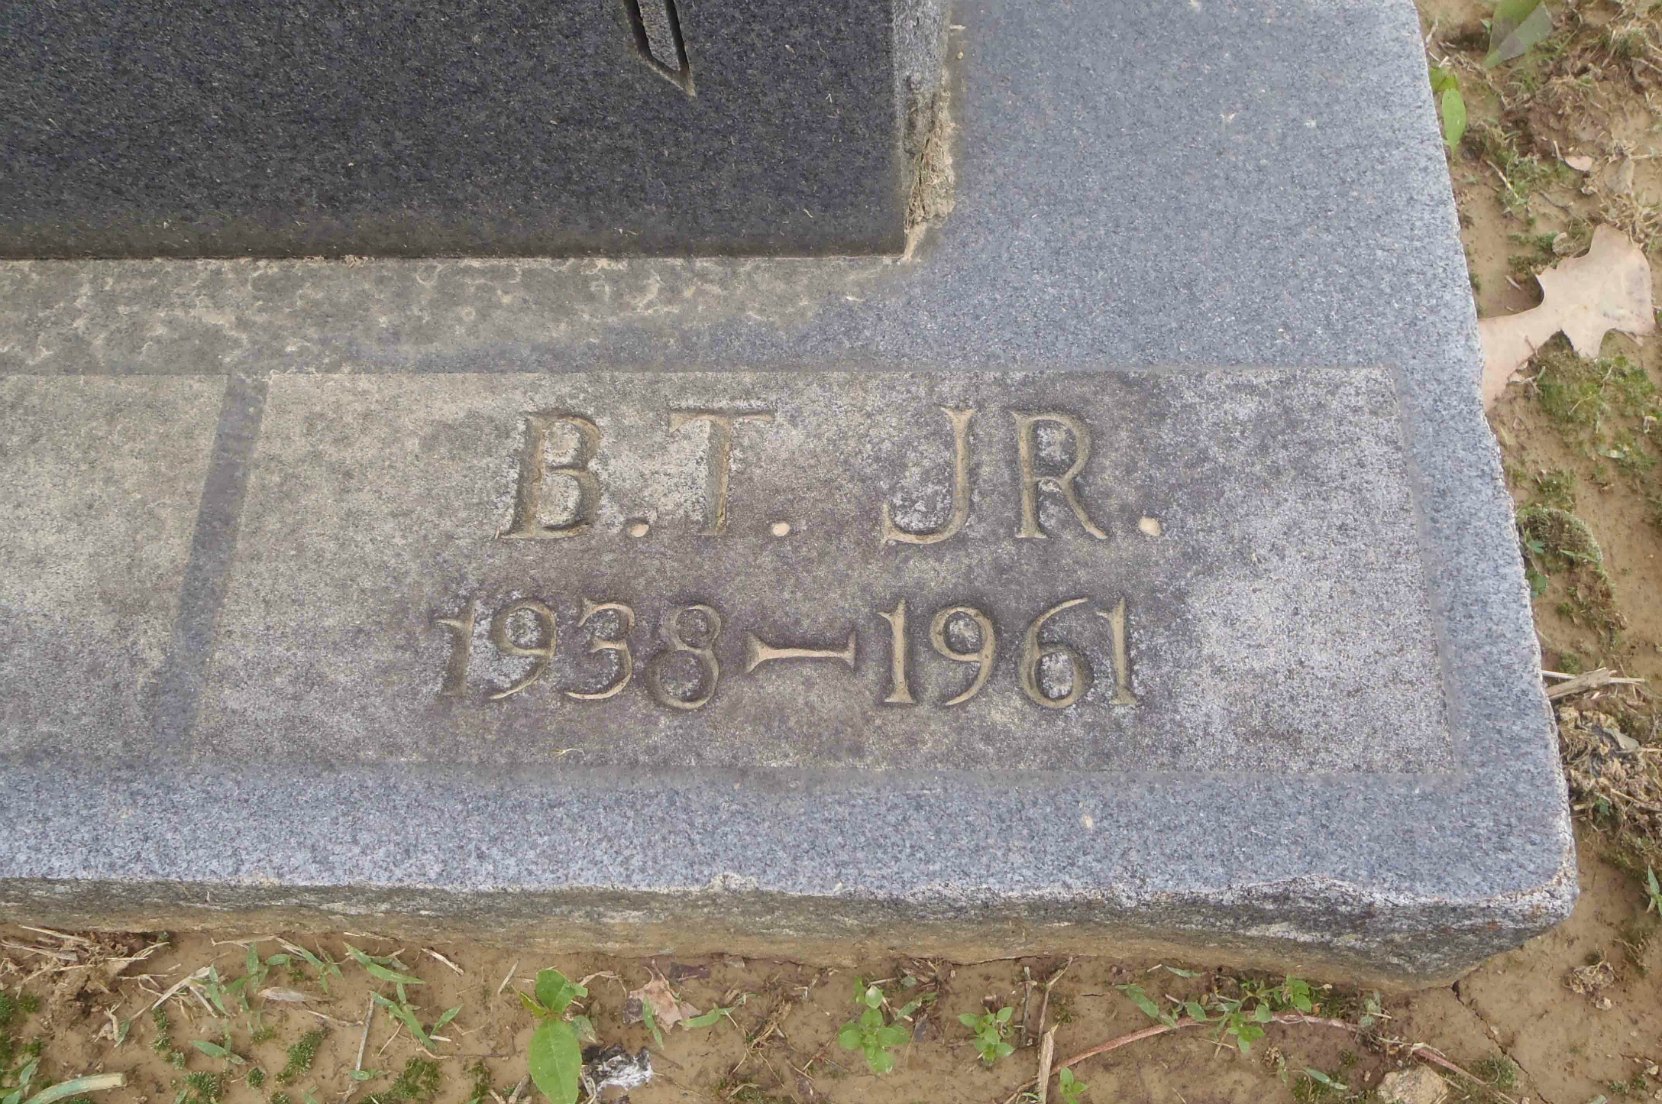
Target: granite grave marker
column 1124, row 566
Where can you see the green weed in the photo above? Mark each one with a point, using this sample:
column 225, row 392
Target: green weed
column 1517, row 27
column 1537, row 254
column 1497, row 1072
column 1586, row 393
column 483, row 1087
column 1240, row 1016
column 164, row 1044
column 388, row 969
column 202, row 1088
column 1555, row 488
column 1314, row 1086
column 417, row 1083
column 556, row 1055
column 1556, row 543
column 1521, row 172
column 320, row 962
column 1636, row 1087
column 872, row 1033
column 1451, row 105
column 992, row 1032
column 301, row 1056
column 1069, row 1089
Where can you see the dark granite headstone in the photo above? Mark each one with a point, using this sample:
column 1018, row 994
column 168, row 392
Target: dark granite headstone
column 411, row 127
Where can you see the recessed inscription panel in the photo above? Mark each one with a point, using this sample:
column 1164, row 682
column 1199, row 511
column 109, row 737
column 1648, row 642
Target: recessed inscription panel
column 1080, row 571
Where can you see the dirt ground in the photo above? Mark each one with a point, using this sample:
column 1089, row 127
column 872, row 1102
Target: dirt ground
column 1519, row 1022
column 1573, row 1018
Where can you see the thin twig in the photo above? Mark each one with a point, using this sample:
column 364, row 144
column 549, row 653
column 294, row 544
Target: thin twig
column 63, row 937
column 1026, row 1002
column 363, row 1040
column 201, row 972
column 44, row 952
column 1049, row 984
column 328, row 1019
column 1047, row 1054
column 1591, row 680
column 442, row 959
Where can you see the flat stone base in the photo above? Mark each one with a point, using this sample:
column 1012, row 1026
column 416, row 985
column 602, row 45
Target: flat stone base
column 1127, row 568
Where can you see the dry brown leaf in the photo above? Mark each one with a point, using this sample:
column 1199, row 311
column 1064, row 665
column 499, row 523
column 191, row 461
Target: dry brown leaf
column 1607, row 288
column 284, row 996
column 667, row 1009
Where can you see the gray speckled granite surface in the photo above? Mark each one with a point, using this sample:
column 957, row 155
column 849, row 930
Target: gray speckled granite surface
column 212, row 128
column 1155, row 192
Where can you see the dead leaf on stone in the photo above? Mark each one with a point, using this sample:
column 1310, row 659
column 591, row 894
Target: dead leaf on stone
column 667, row 1009
column 1607, row 288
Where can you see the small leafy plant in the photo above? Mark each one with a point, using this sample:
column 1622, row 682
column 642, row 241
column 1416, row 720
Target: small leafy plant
column 1653, row 891
column 556, row 1054
column 871, row 1033
column 1069, row 1088
column 390, row 970
column 1451, row 105
column 992, row 1032
column 320, row 962
column 1240, row 1017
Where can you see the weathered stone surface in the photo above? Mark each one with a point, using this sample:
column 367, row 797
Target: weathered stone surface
column 97, row 508
column 1222, row 237
column 205, row 128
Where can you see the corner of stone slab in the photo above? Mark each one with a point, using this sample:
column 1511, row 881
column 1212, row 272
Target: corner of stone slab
column 1521, row 915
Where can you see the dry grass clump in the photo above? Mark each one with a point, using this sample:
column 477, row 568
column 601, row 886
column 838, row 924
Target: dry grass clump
column 1612, row 751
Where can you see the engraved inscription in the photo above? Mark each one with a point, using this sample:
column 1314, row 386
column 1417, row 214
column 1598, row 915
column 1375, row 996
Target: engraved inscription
column 807, row 569
column 618, row 644
column 559, row 494
column 686, row 672
column 893, row 533
column 539, row 652
column 1033, row 480
column 657, row 30
column 758, row 652
column 984, row 648
column 720, row 458
column 461, row 648
column 534, row 473
column 1044, row 441
column 667, row 678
